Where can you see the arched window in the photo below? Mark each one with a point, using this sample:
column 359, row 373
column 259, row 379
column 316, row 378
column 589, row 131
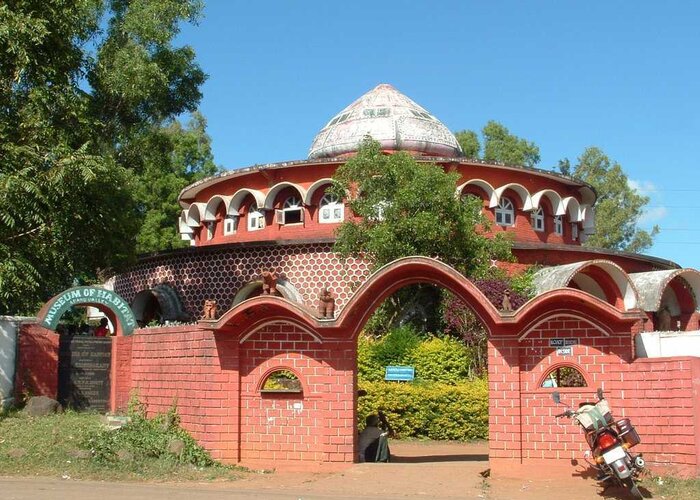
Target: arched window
column 230, row 223
column 256, row 219
column 282, row 381
column 537, row 219
column 331, row 209
column 564, row 376
column 505, row 212
column 292, row 212
column 558, row 225
column 574, row 231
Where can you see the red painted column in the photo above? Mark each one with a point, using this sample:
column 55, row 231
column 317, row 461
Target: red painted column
column 505, row 436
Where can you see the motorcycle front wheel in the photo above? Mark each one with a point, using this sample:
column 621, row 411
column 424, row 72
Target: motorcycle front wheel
column 632, row 487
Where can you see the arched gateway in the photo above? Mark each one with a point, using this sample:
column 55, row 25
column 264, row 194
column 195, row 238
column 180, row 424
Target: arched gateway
column 281, row 218
column 216, row 370
column 75, row 369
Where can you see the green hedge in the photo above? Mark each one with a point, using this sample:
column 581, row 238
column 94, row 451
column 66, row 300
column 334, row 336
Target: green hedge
column 429, row 410
column 436, row 359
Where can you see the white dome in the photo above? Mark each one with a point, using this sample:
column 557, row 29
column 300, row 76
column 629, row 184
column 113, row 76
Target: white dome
column 389, row 117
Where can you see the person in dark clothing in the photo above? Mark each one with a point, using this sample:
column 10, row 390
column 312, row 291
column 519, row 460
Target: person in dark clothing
column 373, row 442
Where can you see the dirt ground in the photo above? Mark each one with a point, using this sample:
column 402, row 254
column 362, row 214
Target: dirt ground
column 418, row 470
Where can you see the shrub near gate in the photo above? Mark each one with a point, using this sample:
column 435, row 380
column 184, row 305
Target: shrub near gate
column 430, row 410
column 441, row 359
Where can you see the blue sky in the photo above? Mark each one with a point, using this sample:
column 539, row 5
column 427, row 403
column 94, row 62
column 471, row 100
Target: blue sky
column 623, row 76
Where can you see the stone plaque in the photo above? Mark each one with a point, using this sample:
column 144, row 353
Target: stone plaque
column 83, row 372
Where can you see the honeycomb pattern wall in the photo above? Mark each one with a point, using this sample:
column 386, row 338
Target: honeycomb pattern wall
column 219, row 273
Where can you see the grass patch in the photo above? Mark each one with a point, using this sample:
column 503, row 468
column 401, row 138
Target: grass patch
column 77, row 445
column 673, row 488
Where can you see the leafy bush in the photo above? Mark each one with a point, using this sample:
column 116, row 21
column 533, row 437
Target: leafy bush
column 522, row 283
column 147, row 438
column 367, row 366
column 441, row 359
column 395, row 348
column 433, row 411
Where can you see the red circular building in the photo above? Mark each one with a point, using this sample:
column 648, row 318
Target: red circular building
column 279, row 216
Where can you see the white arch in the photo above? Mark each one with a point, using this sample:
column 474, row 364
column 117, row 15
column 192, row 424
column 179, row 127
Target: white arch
column 518, row 188
column 213, row 204
column 588, row 196
column 573, row 208
column 550, row 278
column 286, row 289
column 183, row 227
column 240, row 195
column 479, row 183
column 312, row 189
column 553, row 198
column 272, row 193
column 653, row 284
column 588, row 216
column 195, row 214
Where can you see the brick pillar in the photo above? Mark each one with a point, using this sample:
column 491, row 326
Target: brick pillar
column 120, row 376
column 341, row 395
column 505, row 437
column 228, row 362
column 37, row 363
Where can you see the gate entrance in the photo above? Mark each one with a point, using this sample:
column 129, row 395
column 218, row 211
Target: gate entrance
column 83, row 372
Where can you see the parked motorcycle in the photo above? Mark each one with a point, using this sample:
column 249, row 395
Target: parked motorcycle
column 609, row 441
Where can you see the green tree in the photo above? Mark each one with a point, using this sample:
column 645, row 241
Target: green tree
column 173, row 157
column 618, row 207
column 500, row 146
column 76, row 102
column 406, row 207
column 469, row 142
column 503, row 147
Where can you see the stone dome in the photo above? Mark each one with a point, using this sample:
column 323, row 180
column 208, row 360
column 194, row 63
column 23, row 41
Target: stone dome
column 389, row 117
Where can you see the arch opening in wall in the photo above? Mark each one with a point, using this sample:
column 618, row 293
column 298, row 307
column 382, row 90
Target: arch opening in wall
column 254, row 288
column 281, row 381
column 563, row 376
column 157, row 306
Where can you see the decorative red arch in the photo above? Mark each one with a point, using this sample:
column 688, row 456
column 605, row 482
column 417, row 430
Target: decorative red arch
column 252, row 314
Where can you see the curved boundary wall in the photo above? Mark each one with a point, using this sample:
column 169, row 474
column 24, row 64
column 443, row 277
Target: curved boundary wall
column 214, row 379
column 214, row 372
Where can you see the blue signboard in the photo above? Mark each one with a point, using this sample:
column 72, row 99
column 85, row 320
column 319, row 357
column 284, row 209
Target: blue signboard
column 400, row 373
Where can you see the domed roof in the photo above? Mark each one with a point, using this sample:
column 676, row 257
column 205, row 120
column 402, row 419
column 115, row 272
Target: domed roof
column 389, row 117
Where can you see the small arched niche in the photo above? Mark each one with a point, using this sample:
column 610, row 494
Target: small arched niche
column 281, row 381
column 563, row 376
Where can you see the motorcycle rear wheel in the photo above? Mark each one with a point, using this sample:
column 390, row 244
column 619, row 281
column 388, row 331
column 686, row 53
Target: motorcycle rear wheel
column 632, row 487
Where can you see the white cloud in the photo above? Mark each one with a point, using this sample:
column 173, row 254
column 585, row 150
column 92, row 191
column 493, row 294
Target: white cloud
column 642, row 187
column 654, row 214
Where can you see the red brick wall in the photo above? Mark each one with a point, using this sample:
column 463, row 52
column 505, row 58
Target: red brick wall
column 663, row 402
column 196, row 370
column 37, row 366
column 316, row 426
column 659, row 396
column 199, row 371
